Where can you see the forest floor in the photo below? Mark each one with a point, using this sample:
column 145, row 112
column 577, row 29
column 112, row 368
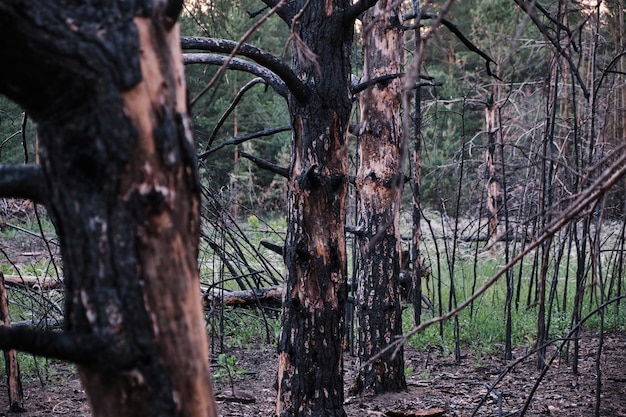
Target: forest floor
column 437, row 386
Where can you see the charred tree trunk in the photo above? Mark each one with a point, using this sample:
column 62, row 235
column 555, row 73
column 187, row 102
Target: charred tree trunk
column 417, row 270
column 379, row 185
column 105, row 85
column 493, row 186
column 14, row 383
column 310, row 367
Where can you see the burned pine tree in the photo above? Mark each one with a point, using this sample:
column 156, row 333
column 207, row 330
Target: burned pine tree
column 310, row 368
column 379, row 184
column 105, row 84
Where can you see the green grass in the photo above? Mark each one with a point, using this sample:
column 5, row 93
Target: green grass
column 482, row 329
column 244, row 328
column 227, row 368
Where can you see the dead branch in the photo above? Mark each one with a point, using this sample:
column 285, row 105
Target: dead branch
column 33, row 281
column 265, row 59
column 240, row 139
column 23, row 181
column 231, row 107
column 468, row 44
column 268, row 76
column 85, row 349
column 261, row 163
column 273, row 247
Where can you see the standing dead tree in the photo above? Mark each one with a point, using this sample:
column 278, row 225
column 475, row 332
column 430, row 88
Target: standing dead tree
column 16, row 394
column 118, row 176
column 310, row 369
column 379, row 184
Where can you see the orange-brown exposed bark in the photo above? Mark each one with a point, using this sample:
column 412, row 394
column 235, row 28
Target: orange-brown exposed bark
column 106, row 88
column 493, row 187
column 379, row 185
column 310, row 366
column 16, row 394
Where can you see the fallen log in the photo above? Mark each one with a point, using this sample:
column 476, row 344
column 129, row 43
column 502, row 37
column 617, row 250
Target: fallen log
column 266, row 297
column 34, row 282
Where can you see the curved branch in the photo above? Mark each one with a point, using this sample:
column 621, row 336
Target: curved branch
column 241, row 139
column 85, row 349
column 263, row 164
column 457, row 32
column 267, row 60
column 232, row 106
column 241, row 65
column 23, row 181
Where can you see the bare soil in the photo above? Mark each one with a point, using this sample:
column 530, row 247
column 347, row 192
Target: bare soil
column 437, row 386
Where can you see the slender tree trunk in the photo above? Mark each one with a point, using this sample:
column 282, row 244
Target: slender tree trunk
column 416, row 212
column 493, row 186
column 106, row 87
column 379, row 184
column 310, row 367
column 12, row 367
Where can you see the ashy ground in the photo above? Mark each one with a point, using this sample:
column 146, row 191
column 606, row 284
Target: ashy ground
column 437, row 386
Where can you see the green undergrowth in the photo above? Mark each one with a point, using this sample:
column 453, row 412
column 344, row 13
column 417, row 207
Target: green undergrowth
column 482, row 324
column 41, row 371
column 243, row 328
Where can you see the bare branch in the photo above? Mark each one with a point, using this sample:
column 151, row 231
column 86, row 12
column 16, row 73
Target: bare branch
column 23, row 181
column 383, row 80
column 587, row 197
column 241, row 139
column 232, row 106
column 353, row 12
column 241, row 65
column 469, row 44
column 265, row 59
column 285, row 12
column 261, row 163
column 277, row 249
column 528, row 9
column 83, row 349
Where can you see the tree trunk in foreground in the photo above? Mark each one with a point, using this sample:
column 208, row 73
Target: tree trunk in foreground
column 379, row 185
column 310, row 367
column 105, row 84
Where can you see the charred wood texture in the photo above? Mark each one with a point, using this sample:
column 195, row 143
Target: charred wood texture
column 379, row 185
column 12, row 369
column 104, row 81
column 310, row 368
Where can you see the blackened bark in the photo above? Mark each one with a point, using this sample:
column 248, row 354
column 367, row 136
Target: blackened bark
column 105, row 85
column 265, row 59
column 23, row 181
column 379, row 184
column 310, row 369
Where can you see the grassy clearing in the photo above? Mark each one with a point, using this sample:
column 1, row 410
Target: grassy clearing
column 482, row 325
column 236, row 257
